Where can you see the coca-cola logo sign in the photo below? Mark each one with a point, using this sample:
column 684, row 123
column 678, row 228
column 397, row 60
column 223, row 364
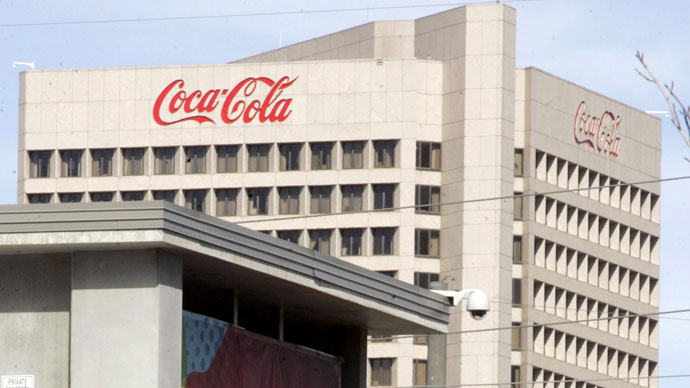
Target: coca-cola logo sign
column 236, row 103
column 599, row 133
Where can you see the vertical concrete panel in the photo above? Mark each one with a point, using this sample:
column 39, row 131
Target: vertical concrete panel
column 34, row 318
column 126, row 319
column 478, row 126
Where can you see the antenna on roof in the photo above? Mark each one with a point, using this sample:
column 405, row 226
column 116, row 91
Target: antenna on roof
column 280, row 40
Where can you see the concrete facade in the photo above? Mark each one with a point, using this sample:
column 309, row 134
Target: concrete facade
column 397, row 89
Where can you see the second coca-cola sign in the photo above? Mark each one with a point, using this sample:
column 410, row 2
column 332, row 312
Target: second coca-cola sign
column 238, row 103
column 597, row 132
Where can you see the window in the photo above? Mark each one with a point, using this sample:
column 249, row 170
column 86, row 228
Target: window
column 195, row 160
column 40, row 164
column 515, row 336
column 351, row 242
column 194, row 199
column 353, row 154
column 290, row 235
column 426, row 242
column 427, row 195
column 226, row 202
column 419, row 375
column 518, row 171
column 321, row 156
column 381, row 338
column 165, row 195
column 424, row 279
column 381, row 371
column 420, row 340
column 320, row 240
column 102, row 197
column 40, row 198
column 428, row 155
column 352, row 198
column 102, row 162
column 257, row 201
column 258, row 157
column 517, row 206
column 133, row 159
column 227, row 158
column 70, row 197
column 515, row 374
column 71, row 163
column 517, row 292
column 164, row 163
column 383, row 240
column 517, row 249
column 391, row 274
column 384, row 153
column 289, row 200
column 320, row 199
column 133, row 195
column 289, row 156
column 383, row 196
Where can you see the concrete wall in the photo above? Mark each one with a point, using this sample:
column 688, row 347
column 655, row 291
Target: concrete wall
column 126, row 319
column 35, row 318
column 380, row 39
column 477, row 46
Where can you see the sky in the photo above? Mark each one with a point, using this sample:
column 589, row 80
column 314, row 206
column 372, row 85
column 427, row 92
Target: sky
column 589, row 42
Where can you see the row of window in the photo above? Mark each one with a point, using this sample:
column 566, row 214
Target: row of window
column 355, row 242
column 591, row 355
column 260, row 200
column 596, row 271
column 382, row 371
column 596, row 229
column 559, row 380
column 228, row 158
column 569, row 305
column 569, row 175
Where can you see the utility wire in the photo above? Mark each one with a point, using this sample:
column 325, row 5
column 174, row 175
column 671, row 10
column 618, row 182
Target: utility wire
column 250, row 14
column 532, row 325
column 519, row 383
column 429, row 205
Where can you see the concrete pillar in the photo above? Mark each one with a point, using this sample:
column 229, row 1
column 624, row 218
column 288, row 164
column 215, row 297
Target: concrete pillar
column 354, row 352
column 126, row 320
column 436, row 359
column 34, row 317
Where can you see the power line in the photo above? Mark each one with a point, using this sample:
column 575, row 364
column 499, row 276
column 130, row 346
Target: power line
column 250, row 14
column 523, row 195
column 532, row 325
column 518, row 383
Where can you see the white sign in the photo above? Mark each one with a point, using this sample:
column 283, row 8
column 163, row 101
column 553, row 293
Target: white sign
column 17, row 381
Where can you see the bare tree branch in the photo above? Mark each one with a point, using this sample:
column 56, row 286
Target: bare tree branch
column 669, row 95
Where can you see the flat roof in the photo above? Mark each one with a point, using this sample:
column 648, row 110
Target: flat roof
column 222, row 253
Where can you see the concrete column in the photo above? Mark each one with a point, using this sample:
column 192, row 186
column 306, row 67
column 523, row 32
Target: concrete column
column 126, row 319
column 354, row 369
column 436, row 359
column 34, row 317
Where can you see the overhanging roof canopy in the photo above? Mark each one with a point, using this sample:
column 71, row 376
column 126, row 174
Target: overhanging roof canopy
column 306, row 283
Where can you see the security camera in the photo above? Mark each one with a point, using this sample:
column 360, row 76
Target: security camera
column 478, row 305
column 477, row 301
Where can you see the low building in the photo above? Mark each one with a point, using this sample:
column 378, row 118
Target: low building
column 92, row 295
